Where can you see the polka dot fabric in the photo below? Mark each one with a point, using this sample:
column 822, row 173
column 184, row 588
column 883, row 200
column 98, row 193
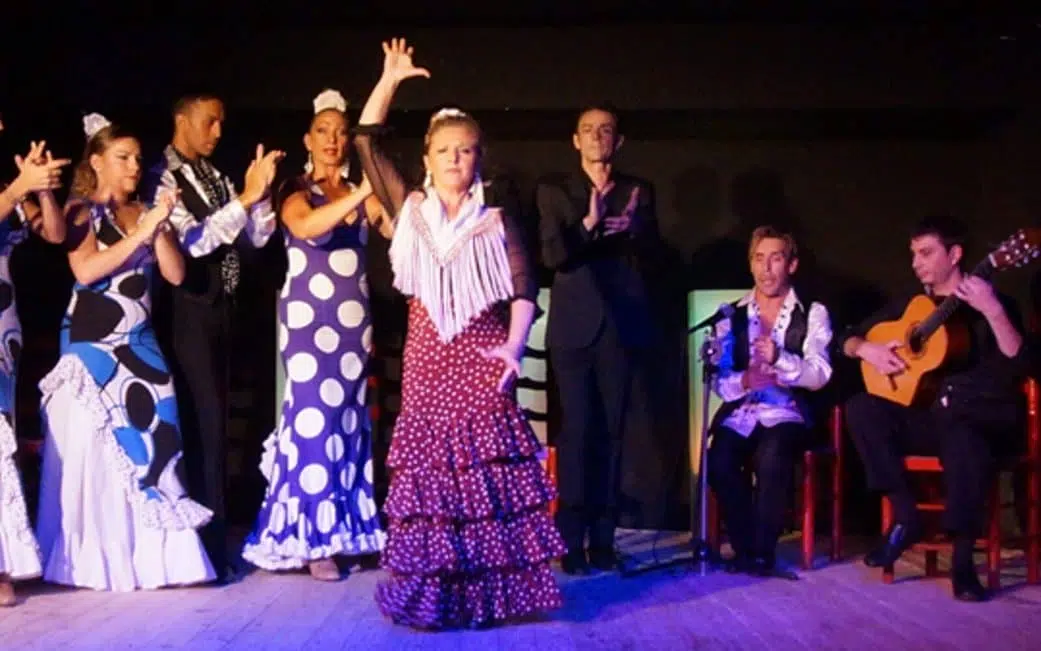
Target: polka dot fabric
column 470, row 538
column 318, row 463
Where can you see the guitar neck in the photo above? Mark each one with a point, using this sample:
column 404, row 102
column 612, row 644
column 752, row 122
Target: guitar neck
column 943, row 311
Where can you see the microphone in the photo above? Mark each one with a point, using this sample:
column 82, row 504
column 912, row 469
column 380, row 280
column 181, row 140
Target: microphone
column 725, row 311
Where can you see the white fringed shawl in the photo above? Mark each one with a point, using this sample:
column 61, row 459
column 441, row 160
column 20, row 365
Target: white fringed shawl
column 456, row 268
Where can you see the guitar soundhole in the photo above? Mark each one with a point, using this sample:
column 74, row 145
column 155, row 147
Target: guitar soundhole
column 915, row 342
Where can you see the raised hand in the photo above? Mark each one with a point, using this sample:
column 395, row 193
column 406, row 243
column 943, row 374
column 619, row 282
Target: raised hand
column 623, row 222
column 397, row 61
column 260, row 174
column 38, row 170
column 365, row 187
column 165, row 200
column 596, row 199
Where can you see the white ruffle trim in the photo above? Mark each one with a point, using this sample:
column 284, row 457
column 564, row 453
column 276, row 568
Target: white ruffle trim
column 19, row 552
column 268, row 456
column 294, row 553
column 163, row 513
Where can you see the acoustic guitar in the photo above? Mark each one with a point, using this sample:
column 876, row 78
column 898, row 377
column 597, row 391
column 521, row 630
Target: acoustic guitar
column 929, row 341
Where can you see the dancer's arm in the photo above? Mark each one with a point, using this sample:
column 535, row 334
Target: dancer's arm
column 386, row 180
column 306, row 222
column 89, row 264
column 169, row 257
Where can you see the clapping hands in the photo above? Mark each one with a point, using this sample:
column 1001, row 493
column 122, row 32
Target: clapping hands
column 38, row 170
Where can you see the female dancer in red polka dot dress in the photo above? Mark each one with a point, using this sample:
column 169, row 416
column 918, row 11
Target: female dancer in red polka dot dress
column 470, row 540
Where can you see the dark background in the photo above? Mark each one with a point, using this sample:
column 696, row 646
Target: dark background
column 843, row 125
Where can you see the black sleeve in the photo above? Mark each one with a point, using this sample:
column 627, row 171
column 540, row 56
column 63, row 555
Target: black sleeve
column 1024, row 361
column 386, row 180
column 525, row 284
column 891, row 311
column 561, row 233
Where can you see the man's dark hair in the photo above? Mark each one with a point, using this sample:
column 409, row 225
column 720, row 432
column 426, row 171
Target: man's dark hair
column 606, row 108
column 949, row 230
column 185, row 102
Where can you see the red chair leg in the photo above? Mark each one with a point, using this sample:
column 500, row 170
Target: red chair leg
column 1033, row 545
column 551, row 470
column 809, row 509
column 887, row 521
column 713, row 523
column 932, row 565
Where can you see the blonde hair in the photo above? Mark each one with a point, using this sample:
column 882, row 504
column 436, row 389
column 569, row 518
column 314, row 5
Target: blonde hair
column 84, row 179
column 791, row 249
column 449, row 117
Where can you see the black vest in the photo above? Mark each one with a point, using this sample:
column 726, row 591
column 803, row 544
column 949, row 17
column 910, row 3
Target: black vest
column 202, row 277
column 794, row 338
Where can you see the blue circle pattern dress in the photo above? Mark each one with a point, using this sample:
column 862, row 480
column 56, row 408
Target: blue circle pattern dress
column 19, row 553
column 320, row 498
column 114, row 513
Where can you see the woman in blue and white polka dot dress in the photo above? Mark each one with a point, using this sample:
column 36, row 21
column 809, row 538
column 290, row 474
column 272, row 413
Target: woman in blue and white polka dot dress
column 319, row 502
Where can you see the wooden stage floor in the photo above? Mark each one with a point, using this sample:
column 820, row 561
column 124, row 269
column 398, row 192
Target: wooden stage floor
column 844, row 606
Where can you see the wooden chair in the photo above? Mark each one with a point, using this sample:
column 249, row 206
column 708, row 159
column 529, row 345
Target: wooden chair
column 812, row 460
column 991, row 544
column 551, row 468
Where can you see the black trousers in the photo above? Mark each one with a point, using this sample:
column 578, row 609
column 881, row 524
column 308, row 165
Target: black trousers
column 966, row 441
column 593, row 384
column 200, row 366
column 754, row 517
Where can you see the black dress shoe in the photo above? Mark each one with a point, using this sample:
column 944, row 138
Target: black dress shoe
column 604, row 559
column 966, row 586
column 738, row 564
column 896, row 542
column 767, row 569
column 574, row 563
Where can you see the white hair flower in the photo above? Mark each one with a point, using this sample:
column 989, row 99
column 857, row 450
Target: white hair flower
column 447, row 112
column 329, row 99
column 93, row 123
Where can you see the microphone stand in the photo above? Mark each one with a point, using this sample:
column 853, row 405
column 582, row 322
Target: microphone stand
column 702, row 549
column 701, row 554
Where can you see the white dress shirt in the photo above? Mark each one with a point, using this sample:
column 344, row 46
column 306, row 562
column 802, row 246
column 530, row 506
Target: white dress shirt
column 775, row 404
column 223, row 225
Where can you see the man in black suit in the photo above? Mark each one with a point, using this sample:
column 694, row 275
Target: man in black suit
column 594, row 224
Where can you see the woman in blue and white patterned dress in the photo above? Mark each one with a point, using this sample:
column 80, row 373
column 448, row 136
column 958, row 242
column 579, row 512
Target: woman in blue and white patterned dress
column 114, row 514
column 319, row 502
column 39, row 173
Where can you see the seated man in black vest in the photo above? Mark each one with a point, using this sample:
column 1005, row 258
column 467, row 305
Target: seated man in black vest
column 774, row 350
column 193, row 321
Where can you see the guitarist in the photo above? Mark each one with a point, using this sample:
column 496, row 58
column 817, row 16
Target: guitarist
column 976, row 410
column 774, row 352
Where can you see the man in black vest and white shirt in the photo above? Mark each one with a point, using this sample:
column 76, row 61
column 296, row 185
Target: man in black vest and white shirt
column 774, row 349
column 211, row 221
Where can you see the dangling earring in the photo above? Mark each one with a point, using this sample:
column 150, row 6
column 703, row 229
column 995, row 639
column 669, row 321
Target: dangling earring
column 345, row 171
column 309, row 165
column 428, row 180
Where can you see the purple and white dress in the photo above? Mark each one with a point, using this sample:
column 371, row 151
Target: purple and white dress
column 19, row 552
column 320, row 499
